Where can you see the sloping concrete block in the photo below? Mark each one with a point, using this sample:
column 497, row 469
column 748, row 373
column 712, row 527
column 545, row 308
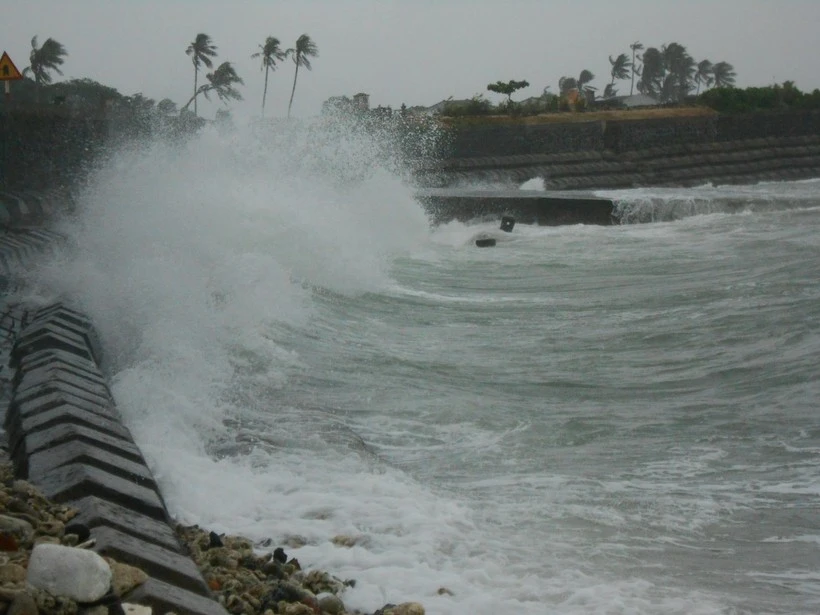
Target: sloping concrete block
column 160, row 563
column 70, row 320
column 44, row 461
column 52, row 356
column 19, row 426
column 74, row 481
column 52, row 436
column 67, row 414
column 55, row 376
column 94, row 512
column 49, row 338
column 54, row 399
column 165, row 598
column 56, row 386
column 56, row 369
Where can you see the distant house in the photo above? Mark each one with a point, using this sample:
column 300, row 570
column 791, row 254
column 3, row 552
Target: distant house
column 439, row 106
column 628, row 102
column 361, row 101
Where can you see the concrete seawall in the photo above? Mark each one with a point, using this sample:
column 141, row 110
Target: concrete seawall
column 734, row 162
column 63, row 431
column 674, row 151
column 444, row 205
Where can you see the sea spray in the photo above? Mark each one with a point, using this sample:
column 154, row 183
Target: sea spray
column 585, row 419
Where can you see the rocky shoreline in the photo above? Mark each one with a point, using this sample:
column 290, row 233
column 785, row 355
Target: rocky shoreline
column 83, row 527
column 244, row 579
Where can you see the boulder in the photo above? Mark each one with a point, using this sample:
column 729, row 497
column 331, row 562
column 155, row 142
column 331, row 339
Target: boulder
column 78, row 574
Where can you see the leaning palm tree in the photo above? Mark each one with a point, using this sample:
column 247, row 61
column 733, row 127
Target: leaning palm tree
column 43, row 60
column 652, row 72
column 301, row 54
column 620, row 68
column 221, row 81
column 703, row 74
column 271, row 53
column 723, row 75
column 201, row 50
column 680, row 66
column 582, row 83
column 635, row 47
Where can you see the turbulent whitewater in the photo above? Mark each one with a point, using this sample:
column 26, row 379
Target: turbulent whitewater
column 583, row 419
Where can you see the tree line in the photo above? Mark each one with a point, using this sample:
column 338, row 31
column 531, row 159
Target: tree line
column 48, row 58
column 667, row 73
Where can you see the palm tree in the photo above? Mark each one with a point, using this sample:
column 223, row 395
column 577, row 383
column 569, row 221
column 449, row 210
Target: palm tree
column 201, row 52
column 167, row 107
column 620, row 69
column 635, row 47
column 723, row 75
column 301, row 54
column 680, row 69
column 565, row 84
column 270, row 52
column 221, row 81
column 583, row 79
column 43, row 60
column 703, row 74
column 652, row 73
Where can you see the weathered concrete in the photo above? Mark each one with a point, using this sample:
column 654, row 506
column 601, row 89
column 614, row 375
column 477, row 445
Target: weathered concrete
column 444, row 205
column 636, row 153
column 65, row 437
column 95, row 512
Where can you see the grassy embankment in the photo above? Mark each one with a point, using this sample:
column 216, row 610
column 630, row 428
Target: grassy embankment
column 586, row 116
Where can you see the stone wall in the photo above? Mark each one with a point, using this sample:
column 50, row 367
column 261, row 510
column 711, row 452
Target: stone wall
column 768, row 125
column 46, row 150
column 629, row 135
column 675, row 151
column 520, row 139
column 475, row 141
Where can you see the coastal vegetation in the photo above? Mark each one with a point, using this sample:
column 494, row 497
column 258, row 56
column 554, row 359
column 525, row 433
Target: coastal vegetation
column 776, row 97
column 201, row 51
column 43, row 61
column 89, row 96
column 508, row 89
column 301, row 54
column 271, row 52
column 667, row 74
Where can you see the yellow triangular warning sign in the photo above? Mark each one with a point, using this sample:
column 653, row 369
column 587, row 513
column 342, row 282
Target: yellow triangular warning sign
column 8, row 71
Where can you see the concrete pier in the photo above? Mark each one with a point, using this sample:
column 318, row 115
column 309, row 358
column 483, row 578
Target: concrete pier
column 542, row 208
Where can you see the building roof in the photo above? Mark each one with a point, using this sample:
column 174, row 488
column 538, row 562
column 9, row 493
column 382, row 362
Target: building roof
column 636, row 100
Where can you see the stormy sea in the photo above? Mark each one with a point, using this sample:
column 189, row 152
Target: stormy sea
column 582, row 419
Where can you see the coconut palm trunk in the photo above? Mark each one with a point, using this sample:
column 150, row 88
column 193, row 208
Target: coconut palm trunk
column 201, row 50
column 301, row 54
column 293, row 89
column 265, row 91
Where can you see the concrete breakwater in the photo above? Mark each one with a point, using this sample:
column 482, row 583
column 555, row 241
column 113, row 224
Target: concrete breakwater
column 444, row 205
column 63, row 431
column 676, row 151
column 74, row 482
column 736, row 162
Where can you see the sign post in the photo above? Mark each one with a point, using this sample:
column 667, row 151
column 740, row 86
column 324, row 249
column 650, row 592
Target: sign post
column 8, row 73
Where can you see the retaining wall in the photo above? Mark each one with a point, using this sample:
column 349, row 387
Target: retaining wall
column 64, row 434
column 633, row 153
column 39, row 151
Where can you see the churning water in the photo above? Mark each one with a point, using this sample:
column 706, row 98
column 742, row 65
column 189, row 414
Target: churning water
column 581, row 420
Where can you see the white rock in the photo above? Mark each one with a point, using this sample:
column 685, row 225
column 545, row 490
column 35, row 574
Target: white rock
column 135, row 609
column 78, row 574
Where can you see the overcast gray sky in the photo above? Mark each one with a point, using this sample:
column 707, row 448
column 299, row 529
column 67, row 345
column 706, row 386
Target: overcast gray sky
column 411, row 51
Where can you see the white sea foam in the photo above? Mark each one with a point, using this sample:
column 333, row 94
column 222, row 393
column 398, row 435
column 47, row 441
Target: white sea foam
column 271, row 356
